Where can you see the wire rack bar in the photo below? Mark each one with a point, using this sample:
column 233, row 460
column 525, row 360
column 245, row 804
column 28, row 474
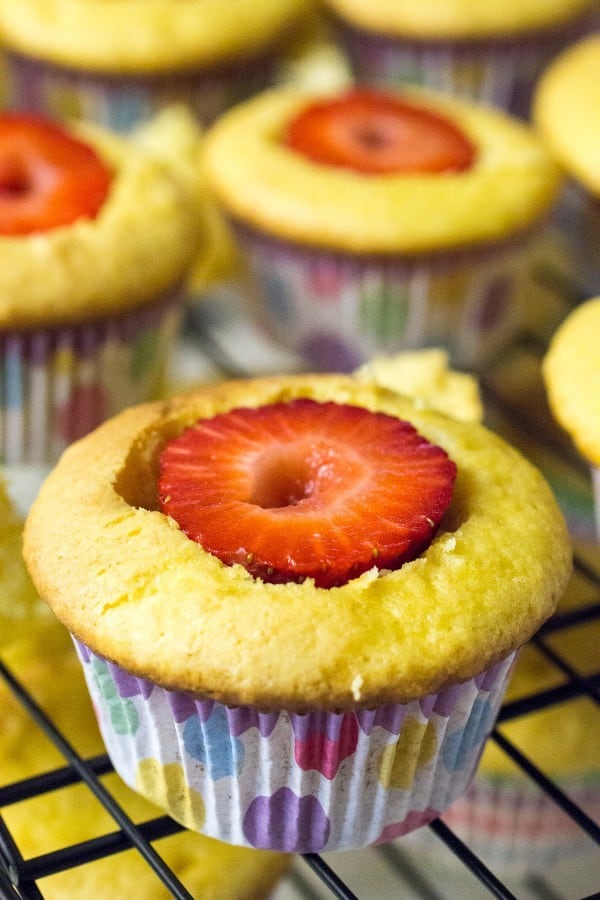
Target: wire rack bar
column 87, row 775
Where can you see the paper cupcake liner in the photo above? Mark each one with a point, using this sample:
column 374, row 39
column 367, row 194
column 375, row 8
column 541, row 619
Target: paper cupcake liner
column 497, row 72
column 122, row 102
column 510, row 823
column 57, row 384
column 294, row 782
column 337, row 311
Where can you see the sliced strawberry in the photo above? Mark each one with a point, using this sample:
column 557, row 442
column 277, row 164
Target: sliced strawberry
column 377, row 133
column 306, row 490
column 47, row 177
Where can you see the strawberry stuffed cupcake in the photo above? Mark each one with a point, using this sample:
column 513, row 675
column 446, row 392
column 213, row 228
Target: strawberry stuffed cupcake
column 297, row 601
column 119, row 63
column 373, row 221
column 565, row 109
column 97, row 234
column 490, row 52
column 571, row 371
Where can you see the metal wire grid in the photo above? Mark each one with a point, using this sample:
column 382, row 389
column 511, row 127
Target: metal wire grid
column 19, row 876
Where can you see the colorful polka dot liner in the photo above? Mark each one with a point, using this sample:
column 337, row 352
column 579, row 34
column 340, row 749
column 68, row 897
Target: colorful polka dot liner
column 122, row 102
column 294, row 782
column 57, row 384
column 512, row 824
column 496, row 72
column 338, row 311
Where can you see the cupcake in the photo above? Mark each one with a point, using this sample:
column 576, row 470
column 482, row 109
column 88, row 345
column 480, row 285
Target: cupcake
column 505, row 818
column 97, row 234
column 307, row 657
column 62, row 818
column 565, row 113
column 571, row 371
column 375, row 222
column 489, row 52
column 119, row 63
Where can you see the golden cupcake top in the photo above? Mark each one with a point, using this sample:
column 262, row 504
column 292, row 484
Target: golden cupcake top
column 129, row 36
column 112, row 566
column 565, row 110
column 571, row 370
column 64, row 817
column 462, row 19
column 506, row 178
column 139, row 243
column 425, row 376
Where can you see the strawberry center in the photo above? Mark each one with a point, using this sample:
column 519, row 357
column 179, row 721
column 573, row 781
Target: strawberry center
column 14, row 178
column 306, row 490
column 47, row 177
column 377, row 133
column 282, row 479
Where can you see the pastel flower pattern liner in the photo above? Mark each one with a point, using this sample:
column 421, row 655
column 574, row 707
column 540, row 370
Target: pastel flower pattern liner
column 337, row 311
column 123, row 102
column 294, row 782
column 58, row 384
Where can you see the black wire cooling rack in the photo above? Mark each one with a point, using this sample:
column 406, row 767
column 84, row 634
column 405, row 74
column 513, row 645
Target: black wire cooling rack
column 19, row 876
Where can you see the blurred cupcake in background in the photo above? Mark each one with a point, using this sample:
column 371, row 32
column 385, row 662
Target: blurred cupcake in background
column 571, row 371
column 378, row 221
column 118, row 63
column 97, row 234
column 565, row 111
column 490, row 52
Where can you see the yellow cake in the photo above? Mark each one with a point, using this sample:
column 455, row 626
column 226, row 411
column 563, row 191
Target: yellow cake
column 458, row 18
column 564, row 111
column 571, row 372
column 119, row 63
column 209, row 869
column 89, row 309
column 264, row 185
column 119, row 488
column 417, row 650
column 124, row 36
column 566, row 100
column 348, row 265
column 140, row 245
column 426, row 377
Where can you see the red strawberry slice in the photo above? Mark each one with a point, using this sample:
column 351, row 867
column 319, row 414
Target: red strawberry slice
column 377, row 133
column 306, row 490
column 47, row 177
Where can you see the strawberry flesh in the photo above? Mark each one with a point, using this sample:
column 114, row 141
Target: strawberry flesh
column 47, row 177
column 376, row 133
column 306, row 490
